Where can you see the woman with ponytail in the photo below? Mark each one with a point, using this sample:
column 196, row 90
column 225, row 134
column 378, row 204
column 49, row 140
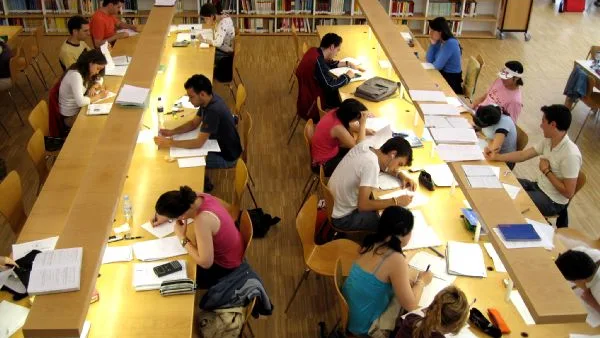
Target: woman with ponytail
column 219, row 248
column 382, row 272
column 448, row 313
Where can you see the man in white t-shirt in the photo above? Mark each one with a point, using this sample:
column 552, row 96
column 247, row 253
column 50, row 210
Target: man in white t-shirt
column 560, row 162
column 580, row 266
column 357, row 175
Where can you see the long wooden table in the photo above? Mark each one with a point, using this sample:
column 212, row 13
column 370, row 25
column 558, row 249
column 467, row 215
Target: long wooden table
column 11, row 32
column 443, row 209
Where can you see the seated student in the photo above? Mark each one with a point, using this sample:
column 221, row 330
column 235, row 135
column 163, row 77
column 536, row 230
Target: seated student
column 224, row 33
column 357, row 175
column 445, row 54
column 219, row 247
column 105, row 23
column 333, row 138
column 499, row 130
column 580, row 266
column 5, row 56
column 560, row 161
column 447, row 314
column 81, row 85
column 71, row 49
column 215, row 121
column 381, row 272
column 505, row 91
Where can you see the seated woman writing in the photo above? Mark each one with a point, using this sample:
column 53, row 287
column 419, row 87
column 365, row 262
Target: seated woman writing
column 219, row 247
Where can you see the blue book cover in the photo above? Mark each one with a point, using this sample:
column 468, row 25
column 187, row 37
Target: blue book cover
column 518, row 232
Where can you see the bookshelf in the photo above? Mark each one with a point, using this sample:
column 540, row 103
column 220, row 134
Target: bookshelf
column 469, row 18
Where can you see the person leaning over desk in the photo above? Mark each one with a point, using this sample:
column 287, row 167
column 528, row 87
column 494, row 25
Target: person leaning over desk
column 381, row 272
column 499, row 130
column 559, row 165
column 580, row 266
column 445, row 54
column 104, row 23
column 355, row 177
column 219, row 247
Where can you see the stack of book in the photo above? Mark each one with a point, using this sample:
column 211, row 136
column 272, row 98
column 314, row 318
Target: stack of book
column 403, row 8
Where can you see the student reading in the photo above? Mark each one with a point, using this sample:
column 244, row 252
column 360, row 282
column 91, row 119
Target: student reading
column 505, row 91
column 445, row 54
column 104, row 23
column 218, row 247
column 71, row 49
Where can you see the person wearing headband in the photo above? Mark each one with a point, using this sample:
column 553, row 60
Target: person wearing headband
column 499, row 130
column 445, row 53
column 357, row 175
column 505, row 91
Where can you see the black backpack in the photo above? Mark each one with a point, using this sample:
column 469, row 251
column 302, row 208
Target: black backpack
column 376, row 89
column 261, row 222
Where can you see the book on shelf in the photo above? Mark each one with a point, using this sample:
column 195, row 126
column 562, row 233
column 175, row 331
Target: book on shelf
column 57, row 25
column 403, row 8
column 24, row 6
column 257, row 25
column 446, row 8
column 471, row 8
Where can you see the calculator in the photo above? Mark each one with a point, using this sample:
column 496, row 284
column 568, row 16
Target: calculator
column 167, row 268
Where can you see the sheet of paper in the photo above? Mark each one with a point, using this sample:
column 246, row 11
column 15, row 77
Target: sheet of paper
column 191, row 162
column 498, row 265
column 132, row 95
column 116, row 70
column 406, row 36
column 144, row 277
column 427, row 65
column 22, row 249
column 439, row 109
column 377, row 123
column 545, row 231
column 166, row 3
column 158, row 249
column 431, row 290
column 426, row 136
column 512, row 190
column 12, row 318
column 593, row 318
column 129, row 32
column 454, row 101
column 385, row 64
column 85, row 331
column 465, row 259
column 162, row 230
column 459, row 122
column 440, row 174
column 459, row 152
column 354, row 61
column 454, row 135
column 209, row 146
column 388, row 182
column 478, row 170
column 109, row 94
column 190, row 135
column 423, row 235
column 427, row 95
column 482, row 143
column 432, row 121
column 122, row 60
column 517, row 300
column 380, row 137
column 99, row 108
column 145, row 136
column 484, row 182
column 417, row 201
column 578, row 335
column 437, row 265
column 189, row 27
column 185, row 102
column 183, row 37
column 106, row 52
column 117, row 254
column 207, row 33
column 465, row 332
column 122, row 228
column 204, row 45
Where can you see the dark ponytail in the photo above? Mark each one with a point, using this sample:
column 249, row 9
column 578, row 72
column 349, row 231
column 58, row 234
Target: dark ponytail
column 176, row 202
column 395, row 221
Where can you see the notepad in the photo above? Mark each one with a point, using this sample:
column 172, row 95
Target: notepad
column 191, row 162
column 145, row 279
column 427, row 95
column 484, row 182
column 479, row 170
column 56, row 271
column 114, row 254
column 183, row 37
column 437, row 265
column 518, row 232
column 423, row 235
column 459, row 152
column 417, row 201
column 380, row 137
column 22, row 249
column 454, row 101
column 454, row 135
column 12, row 318
column 209, row 146
column 439, row 109
column 388, row 182
column 465, row 259
column 165, row 3
column 122, row 60
column 433, row 121
column 158, row 249
column 441, row 175
column 162, row 230
column 132, row 96
column 99, row 109
column 377, row 123
column 427, row 65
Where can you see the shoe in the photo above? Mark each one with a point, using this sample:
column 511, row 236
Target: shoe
column 208, row 186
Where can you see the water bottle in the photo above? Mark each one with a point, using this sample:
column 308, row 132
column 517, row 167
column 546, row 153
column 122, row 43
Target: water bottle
column 127, row 208
column 160, row 108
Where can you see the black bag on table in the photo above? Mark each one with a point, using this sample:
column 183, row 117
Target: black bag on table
column 376, row 89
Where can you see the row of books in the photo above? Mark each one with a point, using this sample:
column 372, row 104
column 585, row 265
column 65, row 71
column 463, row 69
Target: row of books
column 302, row 25
column 28, row 24
column 471, row 8
column 335, row 7
column 403, row 8
column 24, row 6
column 61, row 6
column 257, row 7
column 248, row 25
column 445, row 9
column 57, row 25
column 228, row 6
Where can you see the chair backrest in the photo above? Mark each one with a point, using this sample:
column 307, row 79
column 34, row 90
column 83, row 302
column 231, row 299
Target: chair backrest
column 327, row 194
column 39, row 35
column 471, row 76
column 239, row 187
column 320, row 108
column 522, row 138
column 246, row 129
column 240, row 99
column 30, row 49
column 297, row 45
column 11, row 203
column 305, row 225
column 37, row 153
column 237, row 48
column 246, row 230
column 248, row 312
column 17, row 64
column 592, row 53
column 338, row 280
column 581, row 180
column 480, row 60
column 39, row 118
column 309, row 131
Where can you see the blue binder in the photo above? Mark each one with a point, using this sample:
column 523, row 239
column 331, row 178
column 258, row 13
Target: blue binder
column 519, row 232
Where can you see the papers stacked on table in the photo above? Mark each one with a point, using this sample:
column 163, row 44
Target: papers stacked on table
column 132, row 96
column 158, row 249
column 465, row 259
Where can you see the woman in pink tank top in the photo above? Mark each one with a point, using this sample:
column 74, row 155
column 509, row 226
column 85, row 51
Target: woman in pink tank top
column 219, row 247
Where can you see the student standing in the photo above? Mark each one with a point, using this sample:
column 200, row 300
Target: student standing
column 505, row 91
column 105, row 23
column 499, row 130
column 71, row 49
column 445, row 54
column 224, row 33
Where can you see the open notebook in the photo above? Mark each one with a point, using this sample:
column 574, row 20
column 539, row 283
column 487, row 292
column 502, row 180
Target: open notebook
column 56, row 271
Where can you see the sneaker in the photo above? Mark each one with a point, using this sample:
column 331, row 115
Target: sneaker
column 208, row 186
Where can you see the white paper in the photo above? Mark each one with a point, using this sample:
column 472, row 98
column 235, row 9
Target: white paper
column 423, row 235
column 183, row 37
column 479, row 170
column 441, row 174
column 358, row 75
column 459, row 122
column 406, row 36
column 109, row 94
column 579, row 335
column 593, row 317
column 482, row 143
column 106, row 52
column 454, row 101
column 463, row 333
column 431, row 290
column 185, row 102
column 417, row 201
column 380, row 137
column 354, row 61
column 454, row 135
column 114, row 254
column 190, row 135
column 99, row 108
column 484, row 182
column 545, row 231
column 459, row 152
column 427, row 65
column 465, row 259
column 122, row 228
column 12, row 318
column 437, row 265
column 498, row 265
column 189, row 27
column 432, row 121
column 191, row 162
column 512, row 190
column 22, row 249
column 56, row 271
column 204, row 45
column 207, row 33
column 145, row 136
column 439, row 109
column 85, row 331
column 426, row 136
column 517, row 300
column 115, row 70
column 132, row 95
column 122, row 60
column 209, row 146
column 158, row 249
column 162, row 230
column 166, row 3
column 385, row 64
column 388, row 182
column 130, row 32
column 144, row 277
column 427, row 95
column 377, row 123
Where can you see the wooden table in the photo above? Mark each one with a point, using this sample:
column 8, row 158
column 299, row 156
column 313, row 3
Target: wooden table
column 443, row 210
column 12, row 32
column 586, row 65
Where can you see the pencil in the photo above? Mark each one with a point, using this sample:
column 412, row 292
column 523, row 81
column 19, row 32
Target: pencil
column 436, row 252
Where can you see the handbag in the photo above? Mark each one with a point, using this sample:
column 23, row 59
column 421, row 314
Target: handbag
column 478, row 319
column 426, row 180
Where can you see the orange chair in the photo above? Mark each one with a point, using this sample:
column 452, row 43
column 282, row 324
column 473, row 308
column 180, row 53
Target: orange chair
column 11, row 203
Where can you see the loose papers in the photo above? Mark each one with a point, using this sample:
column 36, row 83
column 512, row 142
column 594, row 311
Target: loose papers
column 209, row 146
column 439, row 109
column 427, row 95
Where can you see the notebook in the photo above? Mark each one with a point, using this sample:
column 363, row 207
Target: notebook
column 423, row 235
column 439, row 109
column 519, row 232
column 114, row 254
column 132, row 96
column 99, row 108
column 145, row 279
column 158, row 249
column 56, row 271
column 427, row 95
column 454, row 135
column 440, row 174
column 465, row 259
column 209, row 146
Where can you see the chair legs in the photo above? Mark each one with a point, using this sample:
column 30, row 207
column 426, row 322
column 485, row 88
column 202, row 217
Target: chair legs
column 293, row 130
column 583, row 125
column 313, row 179
column 237, row 71
column 4, row 127
column 48, row 62
column 304, row 277
column 252, row 195
column 251, row 179
column 25, row 96
column 31, row 86
column 16, row 108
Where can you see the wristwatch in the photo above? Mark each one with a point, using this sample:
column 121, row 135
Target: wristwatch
column 184, row 242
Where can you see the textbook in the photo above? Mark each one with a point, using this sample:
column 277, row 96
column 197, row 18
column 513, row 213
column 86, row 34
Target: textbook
column 56, row 271
column 519, row 232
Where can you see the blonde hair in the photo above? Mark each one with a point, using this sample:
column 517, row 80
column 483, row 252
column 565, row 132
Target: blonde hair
column 447, row 313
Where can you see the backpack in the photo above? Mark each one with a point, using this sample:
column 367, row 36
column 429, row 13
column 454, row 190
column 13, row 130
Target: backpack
column 376, row 89
column 261, row 222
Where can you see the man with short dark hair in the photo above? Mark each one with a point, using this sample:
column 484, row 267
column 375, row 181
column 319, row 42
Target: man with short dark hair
column 355, row 177
column 580, row 266
column 79, row 31
column 105, row 23
column 560, row 162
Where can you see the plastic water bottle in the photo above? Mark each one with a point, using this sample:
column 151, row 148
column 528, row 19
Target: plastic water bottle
column 127, row 208
column 160, row 108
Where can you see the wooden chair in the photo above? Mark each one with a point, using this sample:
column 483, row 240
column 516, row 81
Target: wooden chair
column 39, row 35
column 32, row 54
column 591, row 99
column 239, row 186
column 320, row 258
column 247, row 128
column 581, row 180
column 299, row 55
column 472, row 74
column 319, row 107
column 39, row 118
column 522, row 138
column 237, row 47
column 247, row 315
column 342, row 304
column 11, row 203
column 18, row 65
column 37, row 152
column 240, row 100
column 246, row 230
column 311, row 182
column 592, row 53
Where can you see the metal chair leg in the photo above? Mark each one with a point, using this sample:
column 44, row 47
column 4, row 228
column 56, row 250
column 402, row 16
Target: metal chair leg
column 48, row 62
column 39, row 68
column 250, row 329
column 31, row 86
column 583, row 126
column 4, row 127
column 40, row 77
column 16, row 108
column 291, row 86
column 237, row 71
column 313, row 185
column 312, row 176
column 23, row 93
column 252, row 195
column 231, row 90
column 293, row 129
column 304, row 277
column 251, row 179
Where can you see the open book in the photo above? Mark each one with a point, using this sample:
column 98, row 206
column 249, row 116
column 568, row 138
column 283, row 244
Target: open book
column 56, row 271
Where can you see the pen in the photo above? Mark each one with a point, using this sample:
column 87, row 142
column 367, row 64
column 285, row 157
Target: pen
column 525, row 210
column 428, row 266
column 437, row 252
column 134, row 237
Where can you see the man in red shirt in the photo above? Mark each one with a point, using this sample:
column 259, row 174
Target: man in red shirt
column 104, row 23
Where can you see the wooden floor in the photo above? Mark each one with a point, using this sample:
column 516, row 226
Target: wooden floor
column 280, row 170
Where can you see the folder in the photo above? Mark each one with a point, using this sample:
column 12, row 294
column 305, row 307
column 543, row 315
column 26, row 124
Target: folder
column 519, row 232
